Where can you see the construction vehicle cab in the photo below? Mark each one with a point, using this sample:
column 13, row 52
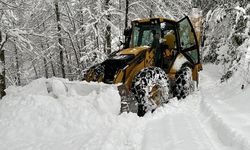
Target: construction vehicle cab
column 160, row 60
column 162, row 33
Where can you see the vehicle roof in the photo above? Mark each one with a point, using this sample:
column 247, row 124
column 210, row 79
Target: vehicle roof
column 161, row 19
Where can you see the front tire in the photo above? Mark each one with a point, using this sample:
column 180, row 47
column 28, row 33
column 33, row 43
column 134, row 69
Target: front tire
column 150, row 88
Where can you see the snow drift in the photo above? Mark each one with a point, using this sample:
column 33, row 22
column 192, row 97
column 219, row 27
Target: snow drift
column 55, row 114
column 51, row 109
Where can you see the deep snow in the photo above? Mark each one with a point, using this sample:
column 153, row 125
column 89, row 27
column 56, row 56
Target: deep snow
column 55, row 114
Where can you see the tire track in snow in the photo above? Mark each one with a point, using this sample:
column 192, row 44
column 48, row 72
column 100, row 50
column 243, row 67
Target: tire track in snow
column 177, row 130
column 226, row 134
column 217, row 115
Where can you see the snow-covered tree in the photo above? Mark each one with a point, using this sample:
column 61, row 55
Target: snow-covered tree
column 226, row 35
column 49, row 37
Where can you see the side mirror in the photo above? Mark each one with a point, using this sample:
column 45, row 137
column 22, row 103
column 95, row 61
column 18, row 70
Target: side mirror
column 127, row 32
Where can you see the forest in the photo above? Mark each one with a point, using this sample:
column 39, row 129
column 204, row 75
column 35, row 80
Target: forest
column 45, row 38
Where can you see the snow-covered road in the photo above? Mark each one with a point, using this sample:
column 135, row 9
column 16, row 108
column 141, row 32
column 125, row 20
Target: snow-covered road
column 226, row 110
column 84, row 116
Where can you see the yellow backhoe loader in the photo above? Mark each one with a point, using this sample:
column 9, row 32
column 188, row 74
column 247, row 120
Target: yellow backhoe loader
column 160, row 60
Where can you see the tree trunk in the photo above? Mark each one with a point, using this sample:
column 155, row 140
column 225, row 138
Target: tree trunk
column 50, row 61
column 83, row 38
column 2, row 67
column 45, row 67
column 69, row 13
column 108, row 30
column 34, row 67
column 59, row 38
column 45, row 63
column 52, row 68
column 151, row 14
column 97, row 37
column 18, row 76
column 126, row 14
column 68, row 61
column 120, row 24
column 75, row 51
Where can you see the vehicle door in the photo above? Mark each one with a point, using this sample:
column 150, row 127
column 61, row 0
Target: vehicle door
column 187, row 43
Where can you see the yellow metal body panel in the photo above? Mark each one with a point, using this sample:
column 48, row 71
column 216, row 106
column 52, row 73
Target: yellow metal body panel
column 195, row 72
column 131, row 70
column 119, row 76
column 135, row 51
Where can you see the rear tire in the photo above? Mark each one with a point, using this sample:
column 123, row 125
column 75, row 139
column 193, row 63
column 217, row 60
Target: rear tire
column 184, row 84
column 150, row 88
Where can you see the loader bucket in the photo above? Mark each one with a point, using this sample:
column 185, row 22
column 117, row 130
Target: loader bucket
column 123, row 90
column 128, row 102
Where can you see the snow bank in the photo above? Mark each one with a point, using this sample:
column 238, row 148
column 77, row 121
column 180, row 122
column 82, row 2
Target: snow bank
column 51, row 109
column 103, row 97
column 56, row 114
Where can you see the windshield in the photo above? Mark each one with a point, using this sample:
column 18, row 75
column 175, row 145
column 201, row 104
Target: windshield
column 143, row 35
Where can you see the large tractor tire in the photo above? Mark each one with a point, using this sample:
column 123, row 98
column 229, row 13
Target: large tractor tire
column 184, row 84
column 150, row 88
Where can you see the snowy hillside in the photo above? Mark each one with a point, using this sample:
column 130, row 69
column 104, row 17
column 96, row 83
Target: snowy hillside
column 56, row 114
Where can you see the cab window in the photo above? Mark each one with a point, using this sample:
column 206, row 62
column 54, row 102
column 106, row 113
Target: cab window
column 143, row 35
column 188, row 43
